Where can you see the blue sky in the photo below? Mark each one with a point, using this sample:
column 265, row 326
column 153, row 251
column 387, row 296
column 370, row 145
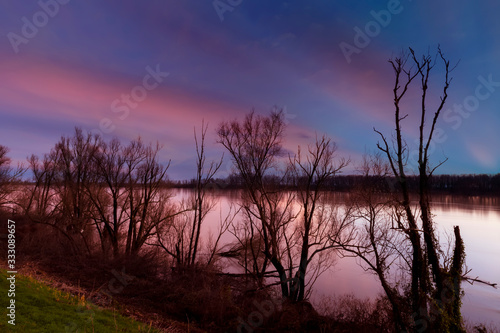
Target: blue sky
column 84, row 56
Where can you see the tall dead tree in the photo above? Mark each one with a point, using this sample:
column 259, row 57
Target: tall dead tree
column 181, row 238
column 202, row 204
column 430, row 281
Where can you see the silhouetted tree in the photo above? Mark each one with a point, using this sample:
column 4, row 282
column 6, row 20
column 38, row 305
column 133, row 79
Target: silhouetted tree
column 430, row 281
column 149, row 203
column 9, row 177
column 381, row 247
column 202, row 204
column 255, row 145
column 181, row 237
column 58, row 197
column 321, row 228
column 270, row 232
column 108, row 193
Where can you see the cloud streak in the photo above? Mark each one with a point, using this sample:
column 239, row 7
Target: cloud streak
column 264, row 54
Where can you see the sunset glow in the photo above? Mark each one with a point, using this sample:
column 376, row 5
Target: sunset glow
column 291, row 55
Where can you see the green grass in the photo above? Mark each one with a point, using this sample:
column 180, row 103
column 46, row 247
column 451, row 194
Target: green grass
column 40, row 308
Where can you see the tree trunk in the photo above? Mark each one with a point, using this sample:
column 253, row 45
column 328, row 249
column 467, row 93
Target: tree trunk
column 456, row 275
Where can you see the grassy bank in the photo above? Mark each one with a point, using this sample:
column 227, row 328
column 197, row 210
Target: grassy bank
column 40, row 308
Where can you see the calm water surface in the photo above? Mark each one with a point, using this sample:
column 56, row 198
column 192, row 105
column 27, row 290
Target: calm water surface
column 479, row 221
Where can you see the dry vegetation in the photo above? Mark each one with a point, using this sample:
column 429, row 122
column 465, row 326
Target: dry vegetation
column 98, row 218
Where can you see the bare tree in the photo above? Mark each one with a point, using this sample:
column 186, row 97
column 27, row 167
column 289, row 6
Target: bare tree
column 86, row 187
column 9, row 177
column 41, row 199
column 58, row 197
column 109, row 195
column 213, row 250
column 321, row 228
column 248, row 249
column 181, row 238
column 74, row 157
column 255, row 145
column 172, row 237
column 430, row 281
column 270, row 233
column 134, row 155
column 149, row 199
column 202, row 205
column 42, row 202
column 381, row 247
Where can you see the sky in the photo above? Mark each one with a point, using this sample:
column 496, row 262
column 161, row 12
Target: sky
column 156, row 69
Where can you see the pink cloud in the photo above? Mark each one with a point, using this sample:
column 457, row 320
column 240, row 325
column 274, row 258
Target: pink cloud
column 79, row 96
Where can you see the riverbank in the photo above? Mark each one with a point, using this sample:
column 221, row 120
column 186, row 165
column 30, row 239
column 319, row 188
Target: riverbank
column 39, row 304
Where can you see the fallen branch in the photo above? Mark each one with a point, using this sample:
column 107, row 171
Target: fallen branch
column 472, row 280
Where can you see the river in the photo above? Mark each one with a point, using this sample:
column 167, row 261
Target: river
column 479, row 221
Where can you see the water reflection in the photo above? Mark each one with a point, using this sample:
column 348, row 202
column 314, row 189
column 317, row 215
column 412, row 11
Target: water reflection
column 479, row 221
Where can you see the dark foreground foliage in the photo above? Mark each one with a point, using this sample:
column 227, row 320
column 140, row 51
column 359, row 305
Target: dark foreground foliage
column 146, row 287
column 195, row 299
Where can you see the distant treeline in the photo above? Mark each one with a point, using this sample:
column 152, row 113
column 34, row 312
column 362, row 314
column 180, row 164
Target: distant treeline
column 456, row 184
